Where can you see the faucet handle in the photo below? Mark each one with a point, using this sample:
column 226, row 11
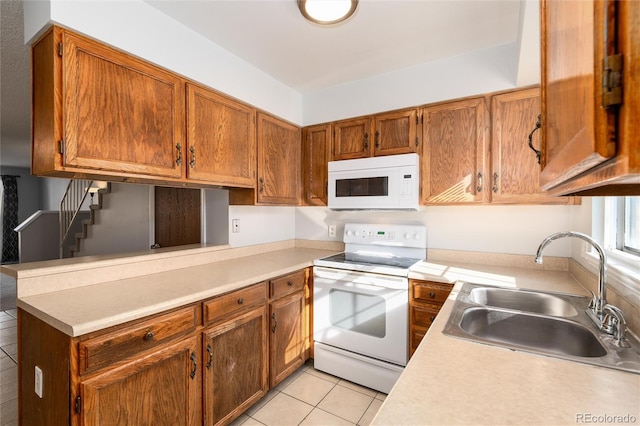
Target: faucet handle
column 594, row 301
column 615, row 324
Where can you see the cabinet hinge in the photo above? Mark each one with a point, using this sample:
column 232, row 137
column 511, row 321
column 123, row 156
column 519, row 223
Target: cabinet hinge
column 417, row 119
column 78, row 405
column 416, row 141
column 61, row 146
column 60, row 49
column 612, row 81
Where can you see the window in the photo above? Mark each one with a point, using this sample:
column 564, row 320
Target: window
column 630, row 230
column 621, row 238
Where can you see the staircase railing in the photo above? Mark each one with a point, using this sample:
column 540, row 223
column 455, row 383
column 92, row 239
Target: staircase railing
column 70, row 205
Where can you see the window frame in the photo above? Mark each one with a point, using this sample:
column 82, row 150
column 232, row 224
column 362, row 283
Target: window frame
column 623, row 267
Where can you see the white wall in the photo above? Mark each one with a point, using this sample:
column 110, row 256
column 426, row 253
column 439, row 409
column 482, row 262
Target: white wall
column 478, row 72
column 262, row 224
column 122, row 225
column 491, row 228
column 138, row 28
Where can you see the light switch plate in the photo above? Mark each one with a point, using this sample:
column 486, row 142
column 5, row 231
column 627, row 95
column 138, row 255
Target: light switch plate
column 38, row 384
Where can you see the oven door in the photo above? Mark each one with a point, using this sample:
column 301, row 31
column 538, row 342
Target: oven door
column 362, row 313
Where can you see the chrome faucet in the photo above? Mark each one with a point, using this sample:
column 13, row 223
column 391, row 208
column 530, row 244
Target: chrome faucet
column 598, row 303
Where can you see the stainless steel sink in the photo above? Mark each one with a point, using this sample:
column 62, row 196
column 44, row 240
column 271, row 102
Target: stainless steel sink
column 531, row 331
column 523, row 300
column 544, row 323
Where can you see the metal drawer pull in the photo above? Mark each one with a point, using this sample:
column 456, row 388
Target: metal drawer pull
column 148, row 337
column 195, row 365
column 290, row 283
column 240, row 301
column 538, row 125
column 210, row 352
column 432, row 294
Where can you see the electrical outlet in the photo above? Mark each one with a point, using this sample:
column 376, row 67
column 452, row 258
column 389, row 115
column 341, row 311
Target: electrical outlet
column 235, row 226
column 332, row 231
column 38, row 387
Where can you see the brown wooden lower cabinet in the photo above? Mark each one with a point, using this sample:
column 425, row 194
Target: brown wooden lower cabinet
column 425, row 300
column 287, row 325
column 204, row 363
column 235, row 366
column 160, row 389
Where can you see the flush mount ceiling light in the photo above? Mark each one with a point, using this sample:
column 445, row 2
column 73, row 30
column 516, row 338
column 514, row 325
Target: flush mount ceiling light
column 327, row 12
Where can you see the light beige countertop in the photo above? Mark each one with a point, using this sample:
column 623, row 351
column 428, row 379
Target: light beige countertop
column 80, row 309
column 451, row 381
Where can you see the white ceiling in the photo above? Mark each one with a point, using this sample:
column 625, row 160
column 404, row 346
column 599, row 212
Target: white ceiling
column 382, row 36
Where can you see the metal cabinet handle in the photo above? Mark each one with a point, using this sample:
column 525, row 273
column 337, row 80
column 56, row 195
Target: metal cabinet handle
column 495, row 182
column 179, row 159
column 275, row 323
column 148, row 337
column 261, row 187
column 432, row 319
column 194, row 363
column 366, row 141
column 538, row 125
column 210, row 352
column 240, row 301
column 192, row 163
column 479, row 188
column 290, row 283
column 432, row 295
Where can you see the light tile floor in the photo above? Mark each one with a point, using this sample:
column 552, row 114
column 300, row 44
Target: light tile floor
column 311, row 397
column 307, row 397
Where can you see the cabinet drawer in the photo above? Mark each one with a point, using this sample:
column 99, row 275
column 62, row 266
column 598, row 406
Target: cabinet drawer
column 431, row 292
column 236, row 302
column 424, row 314
column 135, row 338
column 287, row 284
column 417, row 334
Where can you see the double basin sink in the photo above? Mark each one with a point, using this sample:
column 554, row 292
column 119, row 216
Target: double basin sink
column 545, row 323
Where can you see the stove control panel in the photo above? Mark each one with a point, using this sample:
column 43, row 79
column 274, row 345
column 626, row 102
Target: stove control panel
column 391, row 235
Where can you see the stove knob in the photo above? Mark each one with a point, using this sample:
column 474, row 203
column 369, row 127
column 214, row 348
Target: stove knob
column 348, row 232
column 407, row 236
column 417, row 236
column 356, row 233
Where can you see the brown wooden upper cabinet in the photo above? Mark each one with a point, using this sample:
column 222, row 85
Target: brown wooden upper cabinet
column 382, row 134
column 316, row 153
column 101, row 113
column 515, row 172
column 221, row 139
column 455, row 152
column 92, row 110
column 279, row 161
column 590, row 97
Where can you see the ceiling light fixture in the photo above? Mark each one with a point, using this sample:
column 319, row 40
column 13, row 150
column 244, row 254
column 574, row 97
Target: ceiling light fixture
column 327, row 12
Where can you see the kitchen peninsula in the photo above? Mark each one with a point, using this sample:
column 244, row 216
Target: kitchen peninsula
column 94, row 329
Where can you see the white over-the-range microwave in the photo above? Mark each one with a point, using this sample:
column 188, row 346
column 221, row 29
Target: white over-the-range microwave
column 386, row 183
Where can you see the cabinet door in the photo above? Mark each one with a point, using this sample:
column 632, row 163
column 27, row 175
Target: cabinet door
column 278, row 161
column 396, row 133
column 515, row 173
column 235, row 357
column 221, row 139
column 316, row 154
column 575, row 127
column 352, row 139
column 286, row 336
column 454, row 152
column 160, row 389
column 120, row 114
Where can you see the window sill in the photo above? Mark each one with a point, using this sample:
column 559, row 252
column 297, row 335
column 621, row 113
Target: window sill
column 623, row 270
